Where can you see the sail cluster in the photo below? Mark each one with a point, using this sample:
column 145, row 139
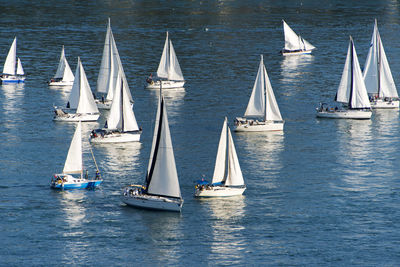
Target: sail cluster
column 169, row 66
column 63, row 70
column 293, row 41
column 13, row 65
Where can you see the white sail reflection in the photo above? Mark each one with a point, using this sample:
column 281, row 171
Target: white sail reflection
column 229, row 241
column 173, row 99
column 356, row 154
column 293, row 66
column 63, row 91
column 265, row 147
column 13, row 94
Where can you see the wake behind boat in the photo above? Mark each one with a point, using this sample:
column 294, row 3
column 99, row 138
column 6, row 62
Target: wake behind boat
column 121, row 125
column 162, row 191
column 169, row 74
column 81, row 99
column 351, row 93
column 110, row 66
column 228, row 178
column 294, row 44
column 262, row 104
column 378, row 77
column 64, row 75
column 13, row 71
column 74, row 165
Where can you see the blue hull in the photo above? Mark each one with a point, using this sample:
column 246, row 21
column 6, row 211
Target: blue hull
column 88, row 185
column 13, row 81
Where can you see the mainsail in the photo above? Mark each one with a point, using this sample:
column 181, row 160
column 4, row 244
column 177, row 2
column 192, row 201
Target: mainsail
column 293, row 41
column 73, row 163
column 162, row 177
column 169, row 66
column 11, row 60
column 377, row 75
column 63, row 70
column 352, row 89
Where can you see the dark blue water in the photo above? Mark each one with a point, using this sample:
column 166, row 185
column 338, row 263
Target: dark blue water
column 326, row 192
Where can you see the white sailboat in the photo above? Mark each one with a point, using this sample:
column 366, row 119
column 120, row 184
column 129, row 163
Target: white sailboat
column 110, row 67
column 64, row 75
column 263, row 104
column 351, row 92
column 227, row 179
column 169, row 72
column 121, row 125
column 378, row 77
column 12, row 70
column 162, row 191
column 74, row 165
column 295, row 44
column 81, row 99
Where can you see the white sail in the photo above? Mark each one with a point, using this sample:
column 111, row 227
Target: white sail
column 111, row 85
column 262, row 100
column 169, row 67
column 86, row 100
column 377, row 75
column 294, row 42
column 11, row 60
column 61, row 66
column 163, row 178
column 102, row 79
column 73, row 163
column 73, row 100
column 220, row 161
column 121, row 114
column 20, row 69
column 234, row 176
column 352, row 89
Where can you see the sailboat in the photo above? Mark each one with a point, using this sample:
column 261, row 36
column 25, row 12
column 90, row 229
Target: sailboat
column 121, row 125
column 263, row 104
column 110, row 67
column 169, row 72
column 378, row 77
column 81, row 99
column 74, row 165
column 161, row 190
column 295, row 44
column 351, row 92
column 12, row 70
column 227, row 179
column 64, row 75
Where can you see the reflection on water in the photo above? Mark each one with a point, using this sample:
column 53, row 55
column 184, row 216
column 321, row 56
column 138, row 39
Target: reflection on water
column 63, row 92
column 12, row 103
column 228, row 241
column 266, row 147
column 293, row 66
column 356, row 151
column 173, row 99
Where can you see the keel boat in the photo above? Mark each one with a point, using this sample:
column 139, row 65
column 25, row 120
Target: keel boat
column 64, row 75
column 294, row 44
column 13, row 71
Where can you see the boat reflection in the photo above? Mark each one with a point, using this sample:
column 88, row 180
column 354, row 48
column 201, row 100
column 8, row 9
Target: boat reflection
column 229, row 241
column 266, row 147
column 12, row 104
column 292, row 66
column 63, row 92
column 173, row 99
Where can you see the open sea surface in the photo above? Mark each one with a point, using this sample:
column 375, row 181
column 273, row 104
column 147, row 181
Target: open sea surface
column 323, row 193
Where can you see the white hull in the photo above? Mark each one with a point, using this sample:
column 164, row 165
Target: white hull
column 166, row 84
column 260, row 127
column 73, row 117
column 382, row 104
column 345, row 114
column 218, row 191
column 296, row 53
column 115, row 138
column 61, row 83
column 153, row 202
column 103, row 105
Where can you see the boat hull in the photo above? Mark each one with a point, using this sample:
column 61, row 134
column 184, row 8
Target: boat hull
column 118, row 137
column 74, row 117
column 66, row 181
column 153, row 202
column 166, row 84
column 345, row 114
column 13, row 79
column 259, row 127
column 103, row 104
column 61, row 83
column 382, row 104
column 294, row 53
column 218, row 191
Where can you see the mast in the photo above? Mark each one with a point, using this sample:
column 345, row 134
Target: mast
column 351, row 72
column 122, row 104
column 379, row 58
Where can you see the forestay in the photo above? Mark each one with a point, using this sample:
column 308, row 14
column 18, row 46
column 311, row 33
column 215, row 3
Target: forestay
column 352, row 89
column 377, row 75
column 73, row 163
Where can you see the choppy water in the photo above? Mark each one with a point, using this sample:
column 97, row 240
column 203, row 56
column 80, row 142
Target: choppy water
column 326, row 192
